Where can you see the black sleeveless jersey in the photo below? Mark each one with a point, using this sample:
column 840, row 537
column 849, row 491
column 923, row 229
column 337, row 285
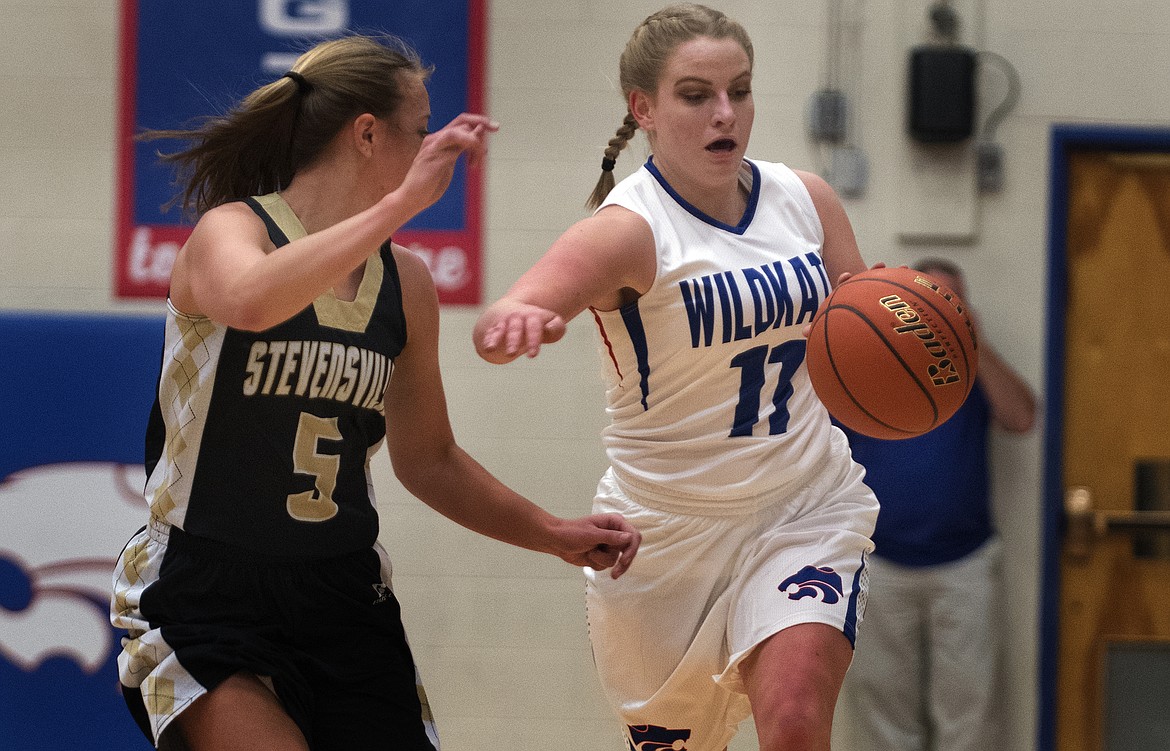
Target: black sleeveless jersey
column 263, row 439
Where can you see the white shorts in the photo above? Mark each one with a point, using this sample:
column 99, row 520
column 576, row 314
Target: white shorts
column 669, row 636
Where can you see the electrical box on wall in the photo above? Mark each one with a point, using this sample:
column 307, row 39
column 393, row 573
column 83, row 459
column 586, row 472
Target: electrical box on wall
column 936, row 195
column 941, row 93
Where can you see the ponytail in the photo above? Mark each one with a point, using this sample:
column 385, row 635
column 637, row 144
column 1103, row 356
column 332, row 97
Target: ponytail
column 605, row 183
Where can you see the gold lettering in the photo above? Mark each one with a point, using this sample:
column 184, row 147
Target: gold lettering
column 255, row 368
column 359, row 393
column 379, row 364
column 349, row 374
column 336, row 363
column 918, row 329
column 290, row 364
column 924, row 282
column 306, row 371
column 320, row 369
column 275, row 353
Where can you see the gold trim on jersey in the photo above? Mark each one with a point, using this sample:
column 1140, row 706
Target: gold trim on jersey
column 331, row 311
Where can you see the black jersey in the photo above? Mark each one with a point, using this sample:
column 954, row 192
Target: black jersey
column 263, row 439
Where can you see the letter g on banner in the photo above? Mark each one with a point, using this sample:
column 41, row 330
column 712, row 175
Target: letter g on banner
column 293, row 18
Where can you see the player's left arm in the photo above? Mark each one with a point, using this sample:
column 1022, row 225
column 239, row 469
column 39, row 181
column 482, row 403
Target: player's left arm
column 839, row 251
column 435, row 469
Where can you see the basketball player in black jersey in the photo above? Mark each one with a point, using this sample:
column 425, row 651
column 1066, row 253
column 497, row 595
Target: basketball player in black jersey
column 298, row 339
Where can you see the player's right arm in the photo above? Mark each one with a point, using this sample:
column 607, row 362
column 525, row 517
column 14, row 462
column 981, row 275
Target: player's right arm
column 227, row 272
column 603, row 262
column 839, row 248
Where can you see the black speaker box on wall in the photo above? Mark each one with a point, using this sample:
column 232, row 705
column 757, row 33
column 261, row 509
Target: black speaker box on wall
column 942, row 94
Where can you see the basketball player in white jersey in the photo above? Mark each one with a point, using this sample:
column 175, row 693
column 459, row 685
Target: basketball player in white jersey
column 702, row 270
column 299, row 338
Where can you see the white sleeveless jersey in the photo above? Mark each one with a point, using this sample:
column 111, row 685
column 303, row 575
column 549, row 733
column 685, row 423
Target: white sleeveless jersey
column 708, row 395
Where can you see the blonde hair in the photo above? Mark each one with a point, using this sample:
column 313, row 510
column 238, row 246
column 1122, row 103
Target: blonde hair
column 283, row 126
column 644, row 58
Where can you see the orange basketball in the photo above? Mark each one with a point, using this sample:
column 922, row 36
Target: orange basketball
column 891, row 353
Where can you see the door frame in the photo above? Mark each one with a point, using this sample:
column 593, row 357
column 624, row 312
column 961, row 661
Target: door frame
column 1065, row 139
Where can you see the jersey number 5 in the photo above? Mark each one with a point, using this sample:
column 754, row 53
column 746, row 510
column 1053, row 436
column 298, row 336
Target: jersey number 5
column 315, row 505
column 752, row 380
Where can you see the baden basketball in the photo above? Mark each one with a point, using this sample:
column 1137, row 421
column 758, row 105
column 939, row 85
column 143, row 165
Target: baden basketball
column 892, row 353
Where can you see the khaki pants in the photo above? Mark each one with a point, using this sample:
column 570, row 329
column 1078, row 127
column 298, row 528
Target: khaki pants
column 925, row 670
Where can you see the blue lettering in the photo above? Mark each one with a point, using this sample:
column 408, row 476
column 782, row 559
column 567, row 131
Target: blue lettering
column 773, row 299
column 818, row 263
column 725, row 306
column 810, row 298
column 765, row 304
column 700, row 309
column 741, row 331
column 779, row 282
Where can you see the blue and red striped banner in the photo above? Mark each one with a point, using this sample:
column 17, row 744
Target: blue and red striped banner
column 181, row 61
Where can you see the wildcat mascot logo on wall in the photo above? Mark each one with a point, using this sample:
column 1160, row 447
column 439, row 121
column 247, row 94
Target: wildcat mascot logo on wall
column 62, row 528
column 71, row 479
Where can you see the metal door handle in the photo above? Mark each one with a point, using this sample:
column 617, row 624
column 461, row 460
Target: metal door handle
column 1086, row 524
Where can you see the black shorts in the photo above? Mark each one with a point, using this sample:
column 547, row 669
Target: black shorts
column 327, row 633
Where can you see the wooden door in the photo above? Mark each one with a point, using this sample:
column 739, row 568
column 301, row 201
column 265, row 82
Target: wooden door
column 1115, row 564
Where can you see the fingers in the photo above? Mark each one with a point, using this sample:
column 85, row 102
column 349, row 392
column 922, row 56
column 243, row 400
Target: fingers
column 607, row 541
column 601, row 558
column 626, row 556
column 492, row 337
column 849, row 274
column 523, row 331
column 515, row 336
column 500, row 343
column 554, row 329
column 533, row 330
column 466, row 134
column 621, row 544
column 472, row 120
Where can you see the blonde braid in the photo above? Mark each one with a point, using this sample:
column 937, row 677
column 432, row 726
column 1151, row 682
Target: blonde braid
column 605, row 183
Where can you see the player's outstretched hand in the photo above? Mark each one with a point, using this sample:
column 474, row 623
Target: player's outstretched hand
column 600, row 541
column 509, row 329
column 433, row 166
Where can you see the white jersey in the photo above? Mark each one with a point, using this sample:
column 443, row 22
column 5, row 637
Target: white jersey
column 709, row 399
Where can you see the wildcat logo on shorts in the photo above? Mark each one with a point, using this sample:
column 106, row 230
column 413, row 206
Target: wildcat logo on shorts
column 654, row 738
column 812, row 581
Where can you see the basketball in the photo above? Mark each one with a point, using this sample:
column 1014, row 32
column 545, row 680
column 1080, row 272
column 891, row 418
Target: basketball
column 892, row 353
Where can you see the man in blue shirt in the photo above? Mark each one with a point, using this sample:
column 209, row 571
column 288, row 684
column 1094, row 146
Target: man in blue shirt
column 923, row 676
